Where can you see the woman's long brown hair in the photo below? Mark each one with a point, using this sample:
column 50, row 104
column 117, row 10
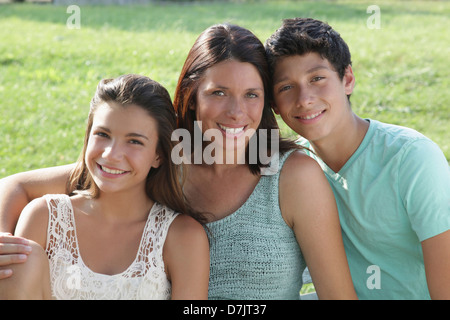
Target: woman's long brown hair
column 216, row 44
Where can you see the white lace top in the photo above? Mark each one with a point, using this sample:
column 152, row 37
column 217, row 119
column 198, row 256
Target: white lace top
column 72, row 279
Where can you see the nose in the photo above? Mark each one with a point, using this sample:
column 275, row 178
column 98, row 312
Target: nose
column 305, row 97
column 236, row 108
column 113, row 152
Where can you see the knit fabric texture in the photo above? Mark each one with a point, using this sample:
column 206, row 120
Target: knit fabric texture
column 254, row 253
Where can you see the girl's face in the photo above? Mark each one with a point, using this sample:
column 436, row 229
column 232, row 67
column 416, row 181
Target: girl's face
column 122, row 147
column 230, row 100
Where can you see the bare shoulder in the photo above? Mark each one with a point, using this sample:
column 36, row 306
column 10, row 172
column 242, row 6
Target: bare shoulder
column 186, row 228
column 300, row 165
column 36, row 210
column 304, row 191
column 33, row 221
column 186, row 254
column 186, row 237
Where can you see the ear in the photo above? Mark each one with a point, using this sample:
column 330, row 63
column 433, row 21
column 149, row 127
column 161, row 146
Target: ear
column 156, row 162
column 275, row 109
column 349, row 80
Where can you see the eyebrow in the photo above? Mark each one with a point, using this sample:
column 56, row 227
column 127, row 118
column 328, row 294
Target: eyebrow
column 226, row 88
column 309, row 71
column 131, row 134
column 314, row 69
column 137, row 135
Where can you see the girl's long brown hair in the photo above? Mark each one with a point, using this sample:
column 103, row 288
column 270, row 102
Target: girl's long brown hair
column 164, row 184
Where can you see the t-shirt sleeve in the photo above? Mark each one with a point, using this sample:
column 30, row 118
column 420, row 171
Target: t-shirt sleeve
column 424, row 184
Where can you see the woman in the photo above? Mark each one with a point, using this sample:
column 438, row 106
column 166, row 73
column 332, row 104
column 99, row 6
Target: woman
column 257, row 222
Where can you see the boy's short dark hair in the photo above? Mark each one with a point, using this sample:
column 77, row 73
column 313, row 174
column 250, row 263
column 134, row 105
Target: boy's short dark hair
column 300, row 36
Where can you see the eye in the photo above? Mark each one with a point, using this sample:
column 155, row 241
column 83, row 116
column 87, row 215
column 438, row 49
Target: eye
column 218, row 93
column 318, row 78
column 136, row 142
column 284, row 88
column 101, row 134
column 252, row 95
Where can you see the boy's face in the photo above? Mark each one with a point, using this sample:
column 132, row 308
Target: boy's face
column 310, row 96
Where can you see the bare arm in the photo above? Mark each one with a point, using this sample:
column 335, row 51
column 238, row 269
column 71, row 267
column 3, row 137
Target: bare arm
column 31, row 280
column 436, row 254
column 12, row 250
column 33, row 222
column 18, row 190
column 308, row 206
column 186, row 259
column 15, row 249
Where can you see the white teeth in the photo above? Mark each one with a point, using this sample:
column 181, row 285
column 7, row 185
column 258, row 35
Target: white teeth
column 231, row 130
column 312, row 116
column 112, row 171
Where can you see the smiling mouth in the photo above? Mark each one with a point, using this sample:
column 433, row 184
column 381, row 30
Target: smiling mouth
column 231, row 131
column 111, row 171
column 310, row 116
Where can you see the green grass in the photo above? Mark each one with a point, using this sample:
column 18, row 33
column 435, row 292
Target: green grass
column 48, row 72
column 307, row 288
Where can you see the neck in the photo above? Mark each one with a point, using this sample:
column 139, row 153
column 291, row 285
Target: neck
column 122, row 206
column 222, row 171
column 220, row 157
column 337, row 149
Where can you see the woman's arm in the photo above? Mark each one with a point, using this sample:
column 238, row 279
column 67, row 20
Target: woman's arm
column 13, row 250
column 186, row 259
column 18, row 190
column 309, row 207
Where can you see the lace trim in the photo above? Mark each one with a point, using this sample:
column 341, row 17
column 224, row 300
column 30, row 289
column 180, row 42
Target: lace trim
column 72, row 279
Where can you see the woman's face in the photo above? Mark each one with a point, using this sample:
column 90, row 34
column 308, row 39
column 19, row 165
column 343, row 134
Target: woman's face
column 230, row 100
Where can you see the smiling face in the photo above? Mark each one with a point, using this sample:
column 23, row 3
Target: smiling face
column 122, row 147
column 230, row 99
column 310, row 96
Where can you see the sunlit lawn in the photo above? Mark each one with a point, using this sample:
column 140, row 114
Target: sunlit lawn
column 49, row 72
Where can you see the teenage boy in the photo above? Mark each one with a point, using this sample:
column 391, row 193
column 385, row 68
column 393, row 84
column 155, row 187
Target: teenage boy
column 392, row 184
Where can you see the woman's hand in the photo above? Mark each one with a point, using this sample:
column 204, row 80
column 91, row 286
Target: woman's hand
column 12, row 250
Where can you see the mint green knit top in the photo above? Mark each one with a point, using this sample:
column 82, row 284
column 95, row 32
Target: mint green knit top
column 254, row 253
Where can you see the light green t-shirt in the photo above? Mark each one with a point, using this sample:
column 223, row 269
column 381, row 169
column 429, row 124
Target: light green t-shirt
column 393, row 193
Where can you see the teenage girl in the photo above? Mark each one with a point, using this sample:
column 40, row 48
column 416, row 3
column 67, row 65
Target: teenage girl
column 126, row 231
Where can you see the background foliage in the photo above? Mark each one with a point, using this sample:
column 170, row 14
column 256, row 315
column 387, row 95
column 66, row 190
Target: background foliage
column 49, row 72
